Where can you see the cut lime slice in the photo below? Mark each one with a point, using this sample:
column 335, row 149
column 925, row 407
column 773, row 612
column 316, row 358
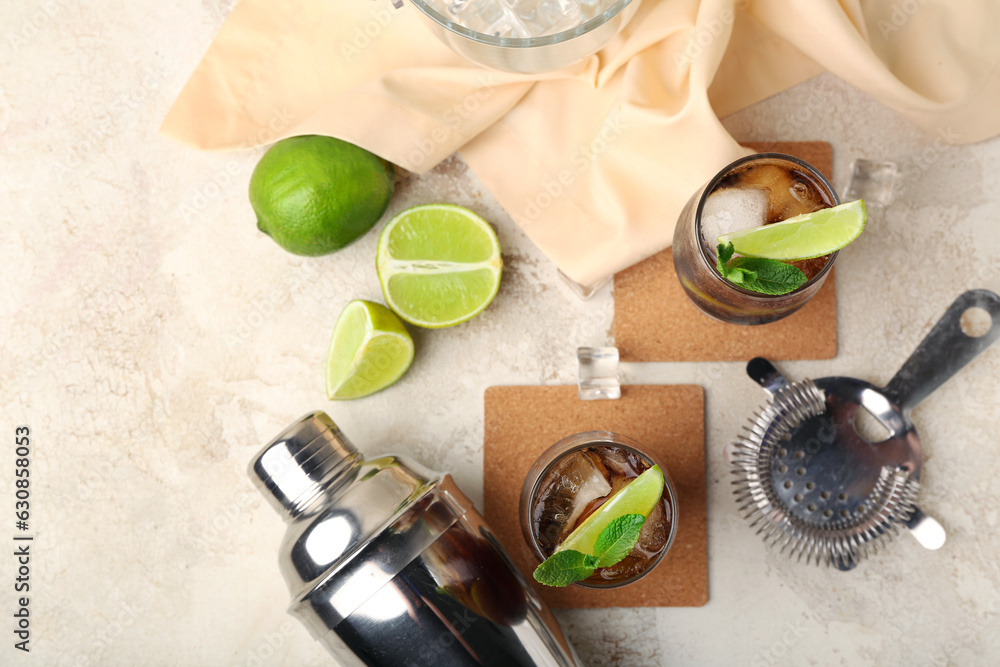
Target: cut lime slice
column 804, row 236
column 439, row 265
column 637, row 497
column 369, row 351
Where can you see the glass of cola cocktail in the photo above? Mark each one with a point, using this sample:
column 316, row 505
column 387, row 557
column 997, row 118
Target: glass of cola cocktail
column 752, row 191
column 573, row 479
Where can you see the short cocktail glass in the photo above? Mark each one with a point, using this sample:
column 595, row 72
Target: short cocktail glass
column 571, row 480
column 752, row 191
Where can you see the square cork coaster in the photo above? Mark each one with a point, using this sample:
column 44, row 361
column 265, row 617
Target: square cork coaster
column 669, row 420
column 655, row 321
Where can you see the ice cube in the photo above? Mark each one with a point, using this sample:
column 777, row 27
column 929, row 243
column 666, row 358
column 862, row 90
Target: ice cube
column 617, row 461
column 789, row 194
column 655, row 530
column 622, row 465
column 619, row 483
column 801, row 192
column 872, row 181
column 547, row 17
column 565, row 493
column 730, row 210
column 490, row 17
column 625, row 568
column 597, row 376
column 768, row 176
column 800, row 198
column 514, row 18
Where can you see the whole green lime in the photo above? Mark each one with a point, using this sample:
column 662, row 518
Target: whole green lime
column 314, row 195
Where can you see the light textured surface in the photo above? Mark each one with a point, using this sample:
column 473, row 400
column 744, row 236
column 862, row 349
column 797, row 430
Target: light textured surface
column 153, row 340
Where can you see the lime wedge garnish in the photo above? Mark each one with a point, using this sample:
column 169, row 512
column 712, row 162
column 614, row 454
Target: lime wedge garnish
column 439, row 265
column 637, row 497
column 370, row 350
column 804, row 236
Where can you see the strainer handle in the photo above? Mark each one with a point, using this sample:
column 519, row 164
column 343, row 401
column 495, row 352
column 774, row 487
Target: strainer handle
column 766, row 375
column 944, row 351
column 926, row 530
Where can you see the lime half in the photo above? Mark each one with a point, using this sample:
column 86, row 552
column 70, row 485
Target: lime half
column 637, row 497
column 439, row 265
column 370, row 350
column 804, row 236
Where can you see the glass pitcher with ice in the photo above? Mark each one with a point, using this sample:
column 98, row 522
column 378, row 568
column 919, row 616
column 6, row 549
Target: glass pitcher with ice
column 527, row 36
column 752, row 191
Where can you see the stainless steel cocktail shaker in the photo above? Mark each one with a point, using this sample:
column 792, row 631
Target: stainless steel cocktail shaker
column 390, row 564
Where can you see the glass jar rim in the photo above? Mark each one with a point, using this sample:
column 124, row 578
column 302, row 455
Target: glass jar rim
column 523, row 42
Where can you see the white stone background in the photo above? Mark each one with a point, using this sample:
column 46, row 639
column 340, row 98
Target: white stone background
column 152, row 355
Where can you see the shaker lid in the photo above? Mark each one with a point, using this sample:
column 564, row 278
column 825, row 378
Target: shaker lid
column 292, row 469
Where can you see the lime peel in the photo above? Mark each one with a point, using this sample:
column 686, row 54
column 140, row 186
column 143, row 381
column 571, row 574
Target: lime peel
column 369, row 351
column 314, row 195
column 804, row 236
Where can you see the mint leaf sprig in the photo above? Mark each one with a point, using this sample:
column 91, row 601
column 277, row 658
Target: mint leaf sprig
column 613, row 544
column 757, row 274
column 564, row 567
column 617, row 540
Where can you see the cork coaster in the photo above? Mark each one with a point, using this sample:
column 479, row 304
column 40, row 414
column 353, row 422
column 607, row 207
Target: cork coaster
column 655, row 321
column 522, row 422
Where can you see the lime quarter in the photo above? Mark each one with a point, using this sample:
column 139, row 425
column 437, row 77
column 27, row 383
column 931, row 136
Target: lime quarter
column 804, row 236
column 637, row 497
column 370, row 350
column 438, row 264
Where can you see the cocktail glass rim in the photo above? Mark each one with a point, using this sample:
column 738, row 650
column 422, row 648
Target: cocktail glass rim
column 523, row 42
column 585, row 440
column 725, row 171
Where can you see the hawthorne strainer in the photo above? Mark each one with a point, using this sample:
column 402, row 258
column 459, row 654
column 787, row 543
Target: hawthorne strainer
column 818, row 489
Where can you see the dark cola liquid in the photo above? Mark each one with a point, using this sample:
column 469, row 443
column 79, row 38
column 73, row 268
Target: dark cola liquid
column 577, row 485
column 791, row 192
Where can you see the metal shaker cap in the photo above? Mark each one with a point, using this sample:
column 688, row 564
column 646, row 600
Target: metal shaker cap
column 293, row 469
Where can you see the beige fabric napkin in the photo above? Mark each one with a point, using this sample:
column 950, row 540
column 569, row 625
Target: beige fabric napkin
column 595, row 161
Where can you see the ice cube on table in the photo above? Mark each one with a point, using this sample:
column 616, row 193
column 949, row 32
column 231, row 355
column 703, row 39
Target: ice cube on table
column 872, row 181
column 730, row 210
column 565, row 493
column 597, row 373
